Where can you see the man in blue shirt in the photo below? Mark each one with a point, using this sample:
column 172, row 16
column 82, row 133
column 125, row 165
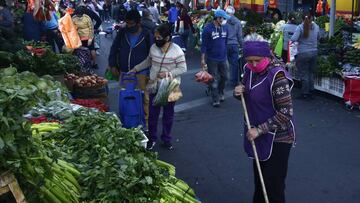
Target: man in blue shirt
column 214, row 54
column 173, row 14
column 130, row 47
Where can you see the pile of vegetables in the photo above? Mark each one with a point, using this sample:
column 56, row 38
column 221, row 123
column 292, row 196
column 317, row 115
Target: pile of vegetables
column 90, row 81
column 10, row 41
column 42, row 177
column 89, row 157
column 114, row 166
column 91, row 103
column 352, row 56
column 40, row 59
column 327, row 65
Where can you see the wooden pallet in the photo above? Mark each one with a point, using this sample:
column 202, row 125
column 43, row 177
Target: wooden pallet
column 8, row 183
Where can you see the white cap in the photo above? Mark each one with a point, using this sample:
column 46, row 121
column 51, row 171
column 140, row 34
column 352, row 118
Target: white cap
column 230, row 10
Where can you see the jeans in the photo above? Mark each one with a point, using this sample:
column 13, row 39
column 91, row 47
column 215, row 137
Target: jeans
column 219, row 71
column 54, row 39
column 306, row 64
column 185, row 37
column 274, row 172
column 142, row 82
column 167, row 120
column 233, row 58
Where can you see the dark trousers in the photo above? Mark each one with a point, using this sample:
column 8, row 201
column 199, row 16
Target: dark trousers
column 54, row 39
column 233, row 58
column 167, row 120
column 274, row 172
column 219, row 71
column 185, row 37
column 306, row 64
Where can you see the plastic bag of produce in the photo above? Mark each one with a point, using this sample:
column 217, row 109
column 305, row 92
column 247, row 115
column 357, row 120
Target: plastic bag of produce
column 161, row 97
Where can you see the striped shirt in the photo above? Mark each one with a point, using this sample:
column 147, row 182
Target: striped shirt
column 173, row 61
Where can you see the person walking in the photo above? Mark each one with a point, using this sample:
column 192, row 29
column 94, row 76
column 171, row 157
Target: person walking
column 214, row 54
column 84, row 27
column 288, row 31
column 266, row 88
column 147, row 21
column 166, row 58
column 52, row 33
column 187, row 25
column 234, row 42
column 173, row 14
column 154, row 12
column 107, row 11
column 95, row 18
column 130, row 47
column 307, row 35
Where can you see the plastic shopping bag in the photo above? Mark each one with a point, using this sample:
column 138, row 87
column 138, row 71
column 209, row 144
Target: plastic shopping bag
column 69, row 32
column 279, row 46
column 292, row 51
column 161, row 97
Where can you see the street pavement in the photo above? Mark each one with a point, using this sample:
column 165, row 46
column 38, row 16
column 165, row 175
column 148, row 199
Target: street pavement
column 323, row 166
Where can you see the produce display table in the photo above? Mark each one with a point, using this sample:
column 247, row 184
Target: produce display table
column 8, row 183
column 331, row 85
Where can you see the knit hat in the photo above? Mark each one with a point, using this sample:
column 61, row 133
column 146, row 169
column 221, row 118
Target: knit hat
column 255, row 45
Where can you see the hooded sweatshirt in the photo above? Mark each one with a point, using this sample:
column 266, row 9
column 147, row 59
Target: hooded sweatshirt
column 234, row 31
column 214, row 41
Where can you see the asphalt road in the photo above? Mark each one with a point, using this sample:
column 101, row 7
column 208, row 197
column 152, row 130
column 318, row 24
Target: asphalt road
column 323, row 167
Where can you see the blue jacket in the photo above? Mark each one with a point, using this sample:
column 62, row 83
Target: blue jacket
column 8, row 19
column 214, row 41
column 173, row 15
column 31, row 28
column 52, row 23
column 124, row 57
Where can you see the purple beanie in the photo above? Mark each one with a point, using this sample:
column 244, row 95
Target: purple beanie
column 256, row 48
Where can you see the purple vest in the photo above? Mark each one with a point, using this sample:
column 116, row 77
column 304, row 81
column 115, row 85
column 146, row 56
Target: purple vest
column 260, row 107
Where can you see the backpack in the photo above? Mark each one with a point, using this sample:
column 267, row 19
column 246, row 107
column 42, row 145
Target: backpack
column 131, row 108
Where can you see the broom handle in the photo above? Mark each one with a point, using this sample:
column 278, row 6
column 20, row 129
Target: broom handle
column 255, row 151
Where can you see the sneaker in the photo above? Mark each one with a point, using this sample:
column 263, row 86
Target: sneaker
column 168, row 145
column 150, row 145
column 222, row 98
column 216, row 104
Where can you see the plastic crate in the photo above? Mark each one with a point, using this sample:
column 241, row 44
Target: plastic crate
column 334, row 86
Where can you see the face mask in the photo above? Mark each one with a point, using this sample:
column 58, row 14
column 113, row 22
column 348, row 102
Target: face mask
column 259, row 66
column 223, row 22
column 132, row 29
column 160, row 43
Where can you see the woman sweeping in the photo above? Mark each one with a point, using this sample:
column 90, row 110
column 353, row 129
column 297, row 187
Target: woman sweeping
column 267, row 92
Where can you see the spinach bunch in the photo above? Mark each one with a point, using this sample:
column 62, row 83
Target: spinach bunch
column 114, row 167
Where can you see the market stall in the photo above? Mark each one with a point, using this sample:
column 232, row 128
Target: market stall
column 64, row 152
